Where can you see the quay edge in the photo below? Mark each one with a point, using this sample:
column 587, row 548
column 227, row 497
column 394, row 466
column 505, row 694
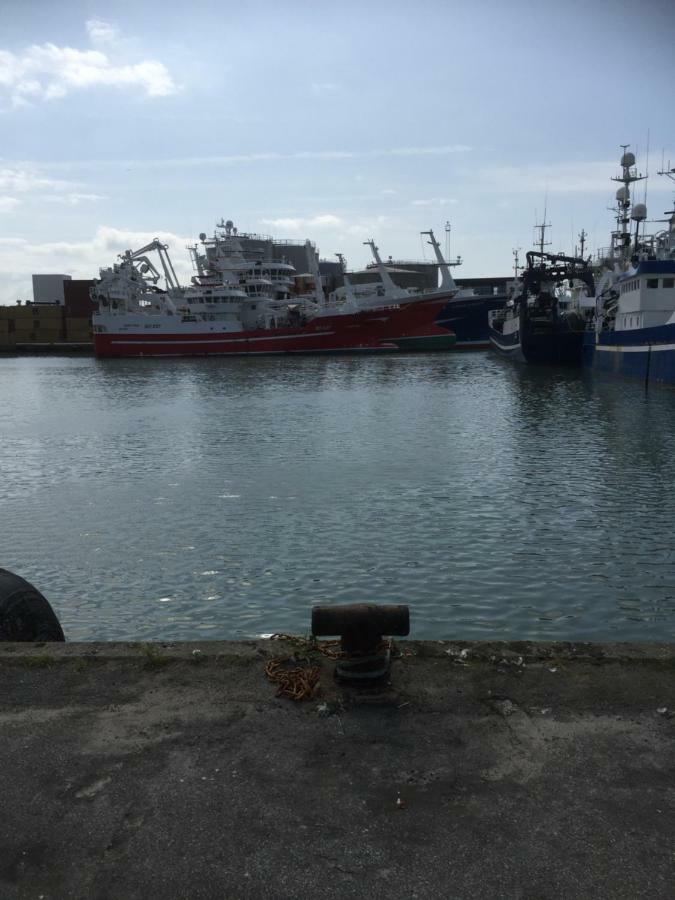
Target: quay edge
column 522, row 769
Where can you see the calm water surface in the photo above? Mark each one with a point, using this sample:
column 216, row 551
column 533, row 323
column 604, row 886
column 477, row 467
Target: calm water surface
column 160, row 499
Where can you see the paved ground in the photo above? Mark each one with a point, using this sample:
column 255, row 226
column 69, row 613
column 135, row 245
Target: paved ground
column 524, row 771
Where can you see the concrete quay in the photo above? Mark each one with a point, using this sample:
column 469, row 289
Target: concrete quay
column 505, row 770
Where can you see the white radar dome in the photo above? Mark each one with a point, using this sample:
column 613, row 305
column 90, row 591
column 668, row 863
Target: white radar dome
column 202, row 236
column 639, row 212
column 622, row 195
column 628, row 159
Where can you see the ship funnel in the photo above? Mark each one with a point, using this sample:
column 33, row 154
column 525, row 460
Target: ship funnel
column 639, row 212
column 628, row 159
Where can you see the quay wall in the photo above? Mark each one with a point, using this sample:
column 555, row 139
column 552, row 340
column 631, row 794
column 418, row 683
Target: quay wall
column 520, row 769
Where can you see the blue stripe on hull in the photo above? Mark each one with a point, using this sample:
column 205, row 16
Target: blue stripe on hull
column 646, row 354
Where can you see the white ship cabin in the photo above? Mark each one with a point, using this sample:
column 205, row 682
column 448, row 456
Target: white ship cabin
column 360, row 292
column 646, row 298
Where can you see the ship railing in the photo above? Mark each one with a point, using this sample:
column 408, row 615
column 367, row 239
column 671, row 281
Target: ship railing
column 241, row 235
column 395, row 263
column 280, row 242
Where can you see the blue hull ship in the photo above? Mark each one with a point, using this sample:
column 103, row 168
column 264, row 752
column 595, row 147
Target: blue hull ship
column 647, row 355
column 634, row 327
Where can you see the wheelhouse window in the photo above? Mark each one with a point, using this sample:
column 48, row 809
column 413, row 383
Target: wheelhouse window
column 652, row 282
column 669, row 282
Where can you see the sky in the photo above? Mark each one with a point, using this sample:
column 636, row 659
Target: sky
column 338, row 122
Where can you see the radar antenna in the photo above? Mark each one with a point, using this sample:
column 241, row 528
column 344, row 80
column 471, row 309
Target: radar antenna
column 629, row 174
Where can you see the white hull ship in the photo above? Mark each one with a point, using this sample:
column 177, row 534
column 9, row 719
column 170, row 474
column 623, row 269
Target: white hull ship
column 241, row 304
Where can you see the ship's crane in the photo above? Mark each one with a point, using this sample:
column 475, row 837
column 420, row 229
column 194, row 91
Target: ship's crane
column 139, row 258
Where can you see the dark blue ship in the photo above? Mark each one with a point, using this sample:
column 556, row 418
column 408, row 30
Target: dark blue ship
column 537, row 326
column 467, row 313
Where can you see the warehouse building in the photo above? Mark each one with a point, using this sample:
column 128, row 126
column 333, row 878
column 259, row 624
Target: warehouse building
column 59, row 316
column 49, row 288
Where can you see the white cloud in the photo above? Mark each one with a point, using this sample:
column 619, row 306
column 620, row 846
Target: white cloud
column 365, row 228
column 430, row 151
column 7, row 203
column 326, row 220
column 435, row 201
column 20, row 258
column 562, row 178
column 24, row 178
column 273, row 156
column 29, row 183
column 74, row 198
column 101, row 32
column 324, row 88
column 49, row 72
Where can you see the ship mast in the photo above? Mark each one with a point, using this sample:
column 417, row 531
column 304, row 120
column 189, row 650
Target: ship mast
column 447, row 281
column 669, row 172
column 346, row 281
column 542, row 233
column 628, row 175
column 516, row 267
column 390, row 288
column 313, row 265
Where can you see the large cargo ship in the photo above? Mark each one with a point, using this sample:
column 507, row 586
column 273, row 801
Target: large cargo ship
column 240, row 304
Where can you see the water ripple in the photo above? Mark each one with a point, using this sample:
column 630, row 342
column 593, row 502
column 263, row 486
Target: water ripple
column 221, row 498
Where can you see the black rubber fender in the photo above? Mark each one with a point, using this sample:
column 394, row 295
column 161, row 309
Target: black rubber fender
column 25, row 615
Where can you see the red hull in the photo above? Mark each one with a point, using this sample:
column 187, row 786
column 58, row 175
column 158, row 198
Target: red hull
column 372, row 331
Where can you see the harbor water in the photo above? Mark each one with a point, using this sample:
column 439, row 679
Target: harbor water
column 194, row 498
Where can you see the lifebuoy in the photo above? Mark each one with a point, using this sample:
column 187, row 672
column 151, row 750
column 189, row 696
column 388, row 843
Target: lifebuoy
column 25, row 615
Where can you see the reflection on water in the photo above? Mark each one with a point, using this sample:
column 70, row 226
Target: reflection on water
column 220, row 498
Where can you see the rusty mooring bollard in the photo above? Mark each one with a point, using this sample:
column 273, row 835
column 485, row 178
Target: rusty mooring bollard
column 361, row 627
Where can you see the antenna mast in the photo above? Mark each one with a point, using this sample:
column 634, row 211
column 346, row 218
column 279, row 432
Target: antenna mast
column 515, row 252
column 647, row 170
column 542, row 232
column 668, row 171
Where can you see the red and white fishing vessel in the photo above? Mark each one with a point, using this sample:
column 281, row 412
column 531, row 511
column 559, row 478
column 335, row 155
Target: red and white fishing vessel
column 241, row 302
